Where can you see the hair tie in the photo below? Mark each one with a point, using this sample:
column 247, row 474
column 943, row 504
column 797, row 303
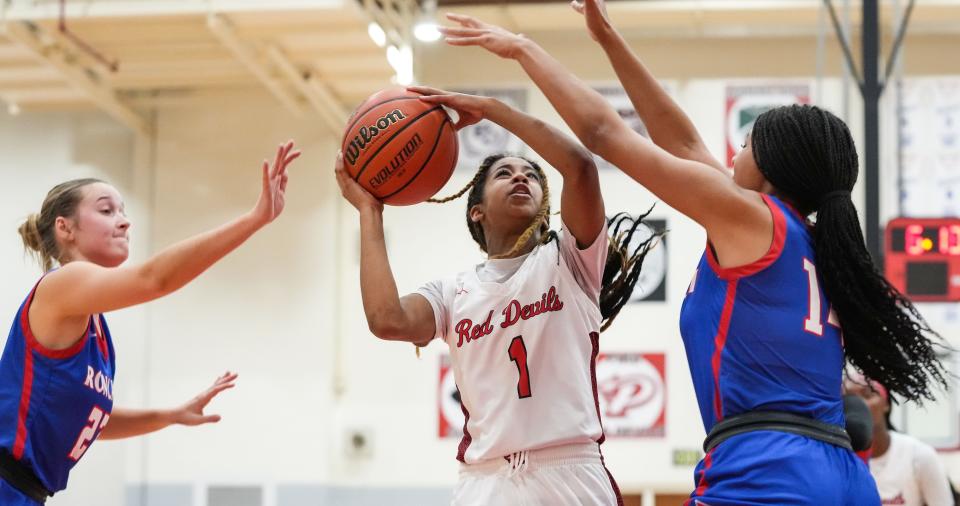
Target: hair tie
column 839, row 194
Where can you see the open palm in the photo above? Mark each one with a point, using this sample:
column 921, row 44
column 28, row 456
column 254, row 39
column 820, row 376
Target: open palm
column 191, row 413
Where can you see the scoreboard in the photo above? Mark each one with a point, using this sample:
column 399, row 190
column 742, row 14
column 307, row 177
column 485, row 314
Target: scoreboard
column 923, row 258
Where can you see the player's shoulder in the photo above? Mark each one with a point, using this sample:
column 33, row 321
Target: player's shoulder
column 918, row 448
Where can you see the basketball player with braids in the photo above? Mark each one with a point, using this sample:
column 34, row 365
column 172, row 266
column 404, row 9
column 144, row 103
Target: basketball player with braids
column 762, row 317
column 58, row 364
column 523, row 326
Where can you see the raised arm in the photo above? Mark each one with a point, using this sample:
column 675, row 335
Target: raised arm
column 730, row 213
column 668, row 125
column 389, row 316
column 581, row 205
column 81, row 288
column 126, row 423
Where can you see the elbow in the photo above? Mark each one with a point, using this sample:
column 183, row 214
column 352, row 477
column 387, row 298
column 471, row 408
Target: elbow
column 595, row 136
column 585, row 166
column 581, row 168
column 384, row 328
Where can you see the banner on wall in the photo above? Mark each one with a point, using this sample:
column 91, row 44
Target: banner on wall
column 617, row 97
column 631, row 389
column 486, row 137
column 746, row 102
column 652, row 284
column 930, row 147
column 448, row 403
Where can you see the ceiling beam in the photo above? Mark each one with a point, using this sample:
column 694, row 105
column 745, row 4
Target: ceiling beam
column 43, row 9
column 221, row 27
column 314, row 89
column 61, row 57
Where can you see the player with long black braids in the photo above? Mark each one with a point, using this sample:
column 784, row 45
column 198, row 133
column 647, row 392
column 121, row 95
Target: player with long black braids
column 523, row 326
column 762, row 316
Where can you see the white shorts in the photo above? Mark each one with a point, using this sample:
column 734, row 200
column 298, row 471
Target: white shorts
column 569, row 475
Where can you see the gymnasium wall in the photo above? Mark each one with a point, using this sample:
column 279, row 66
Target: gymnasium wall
column 285, row 312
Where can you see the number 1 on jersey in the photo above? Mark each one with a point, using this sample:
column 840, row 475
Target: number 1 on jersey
column 813, row 322
column 518, row 353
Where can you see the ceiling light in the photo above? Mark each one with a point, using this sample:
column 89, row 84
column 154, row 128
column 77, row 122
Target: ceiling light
column 427, row 32
column 377, row 34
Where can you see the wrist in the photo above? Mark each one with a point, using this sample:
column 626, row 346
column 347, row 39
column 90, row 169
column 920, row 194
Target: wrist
column 525, row 48
column 254, row 220
column 608, row 36
column 169, row 416
column 373, row 210
column 492, row 108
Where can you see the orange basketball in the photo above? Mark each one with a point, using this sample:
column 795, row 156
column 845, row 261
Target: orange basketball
column 402, row 150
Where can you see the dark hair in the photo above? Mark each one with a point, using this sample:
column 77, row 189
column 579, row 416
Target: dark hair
column 622, row 269
column 809, row 156
column 37, row 231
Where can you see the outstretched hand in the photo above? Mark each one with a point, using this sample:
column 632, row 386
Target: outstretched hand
column 595, row 13
column 471, row 109
column 191, row 413
column 272, row 194
column 473, row 32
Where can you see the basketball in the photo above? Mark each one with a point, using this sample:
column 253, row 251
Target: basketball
column 400, row 149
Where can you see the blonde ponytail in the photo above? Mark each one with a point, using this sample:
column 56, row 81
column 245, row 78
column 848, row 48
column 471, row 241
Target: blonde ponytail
column 37, row 231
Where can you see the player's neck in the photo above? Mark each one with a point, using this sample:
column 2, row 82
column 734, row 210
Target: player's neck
column 881, row 443
column 499, row 246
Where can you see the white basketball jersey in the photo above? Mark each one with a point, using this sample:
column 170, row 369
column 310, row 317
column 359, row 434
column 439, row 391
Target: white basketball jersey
column 523, row 349
column 910, row 474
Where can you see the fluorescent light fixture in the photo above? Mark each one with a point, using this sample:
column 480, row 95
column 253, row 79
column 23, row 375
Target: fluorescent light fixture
column 375, row 31
column 401, row 59
column 426, row 32
column 393, row 56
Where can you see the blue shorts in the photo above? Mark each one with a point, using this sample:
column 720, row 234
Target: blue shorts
column 777, row 468
column 10, row 496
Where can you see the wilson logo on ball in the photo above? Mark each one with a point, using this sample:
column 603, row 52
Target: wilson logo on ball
column 367, row 134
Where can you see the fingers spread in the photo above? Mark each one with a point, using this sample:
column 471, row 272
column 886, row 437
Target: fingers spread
column 461, row 32
column 464, row 19
column 291, row 157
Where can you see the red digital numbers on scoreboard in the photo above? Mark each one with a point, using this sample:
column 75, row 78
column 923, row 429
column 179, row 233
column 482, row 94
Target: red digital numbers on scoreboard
column 923, row 258
column 919, row 240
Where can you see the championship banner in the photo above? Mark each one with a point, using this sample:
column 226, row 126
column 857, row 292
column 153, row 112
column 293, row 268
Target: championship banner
column 746, row 103
column 486, row 137
column 929, row 137
column 631, row 389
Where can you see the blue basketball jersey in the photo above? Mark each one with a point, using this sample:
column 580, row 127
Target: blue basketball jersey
column 762, row 337
column 54, row 403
